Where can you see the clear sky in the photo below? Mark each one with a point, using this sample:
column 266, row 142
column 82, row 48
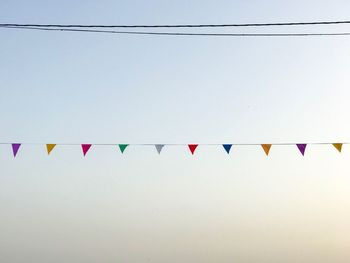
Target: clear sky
column 144, row 207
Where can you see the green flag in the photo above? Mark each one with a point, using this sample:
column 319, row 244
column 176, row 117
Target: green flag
column 122, row 147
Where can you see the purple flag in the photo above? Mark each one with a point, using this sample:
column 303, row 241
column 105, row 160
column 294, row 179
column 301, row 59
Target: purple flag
column 15, row 148
column 302, row 148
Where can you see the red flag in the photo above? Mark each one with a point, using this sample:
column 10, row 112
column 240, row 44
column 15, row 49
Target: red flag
column 192, row 147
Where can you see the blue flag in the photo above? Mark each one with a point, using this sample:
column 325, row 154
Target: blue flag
column 227, row 147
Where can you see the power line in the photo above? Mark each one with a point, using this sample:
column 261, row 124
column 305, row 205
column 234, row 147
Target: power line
column 180, row 25
column 180, row 33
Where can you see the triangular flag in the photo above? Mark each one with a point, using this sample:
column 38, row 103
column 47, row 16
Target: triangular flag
column 15, row 148
column 227, row 147
column 159, row 147
column 266, row 148
column 302, row 148
column 338, row 146
column 50, row 147
column 192, row 147
column 86, row 148
column 122, row 147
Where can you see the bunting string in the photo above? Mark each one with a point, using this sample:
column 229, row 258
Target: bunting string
column 191, row 147
column 148, row 30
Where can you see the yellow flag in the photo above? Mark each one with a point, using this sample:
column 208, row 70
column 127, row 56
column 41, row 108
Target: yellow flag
column 266, row 148
column 338, row 146
column 50, row 147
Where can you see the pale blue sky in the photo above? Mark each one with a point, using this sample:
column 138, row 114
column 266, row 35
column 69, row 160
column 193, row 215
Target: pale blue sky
column 141, row 207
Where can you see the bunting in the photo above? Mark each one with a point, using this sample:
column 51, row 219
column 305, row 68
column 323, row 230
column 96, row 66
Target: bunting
column 227, row 147
column 15, row 148
column 122, row 147
column 49, row 148
column 85, row 148
column 266, row 148
column 159, row 147
column 192, row 147
column 302, row 148
column 338, row 146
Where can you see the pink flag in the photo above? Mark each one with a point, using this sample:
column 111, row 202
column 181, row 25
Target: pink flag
column 15, row 148
column 86, row 148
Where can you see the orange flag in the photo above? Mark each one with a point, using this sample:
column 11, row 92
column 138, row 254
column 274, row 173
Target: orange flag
column 338, row 146
column 50, row 147
column 266, row 148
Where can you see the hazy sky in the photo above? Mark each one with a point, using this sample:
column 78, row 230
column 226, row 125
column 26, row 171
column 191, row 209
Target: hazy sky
column 144, row 207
